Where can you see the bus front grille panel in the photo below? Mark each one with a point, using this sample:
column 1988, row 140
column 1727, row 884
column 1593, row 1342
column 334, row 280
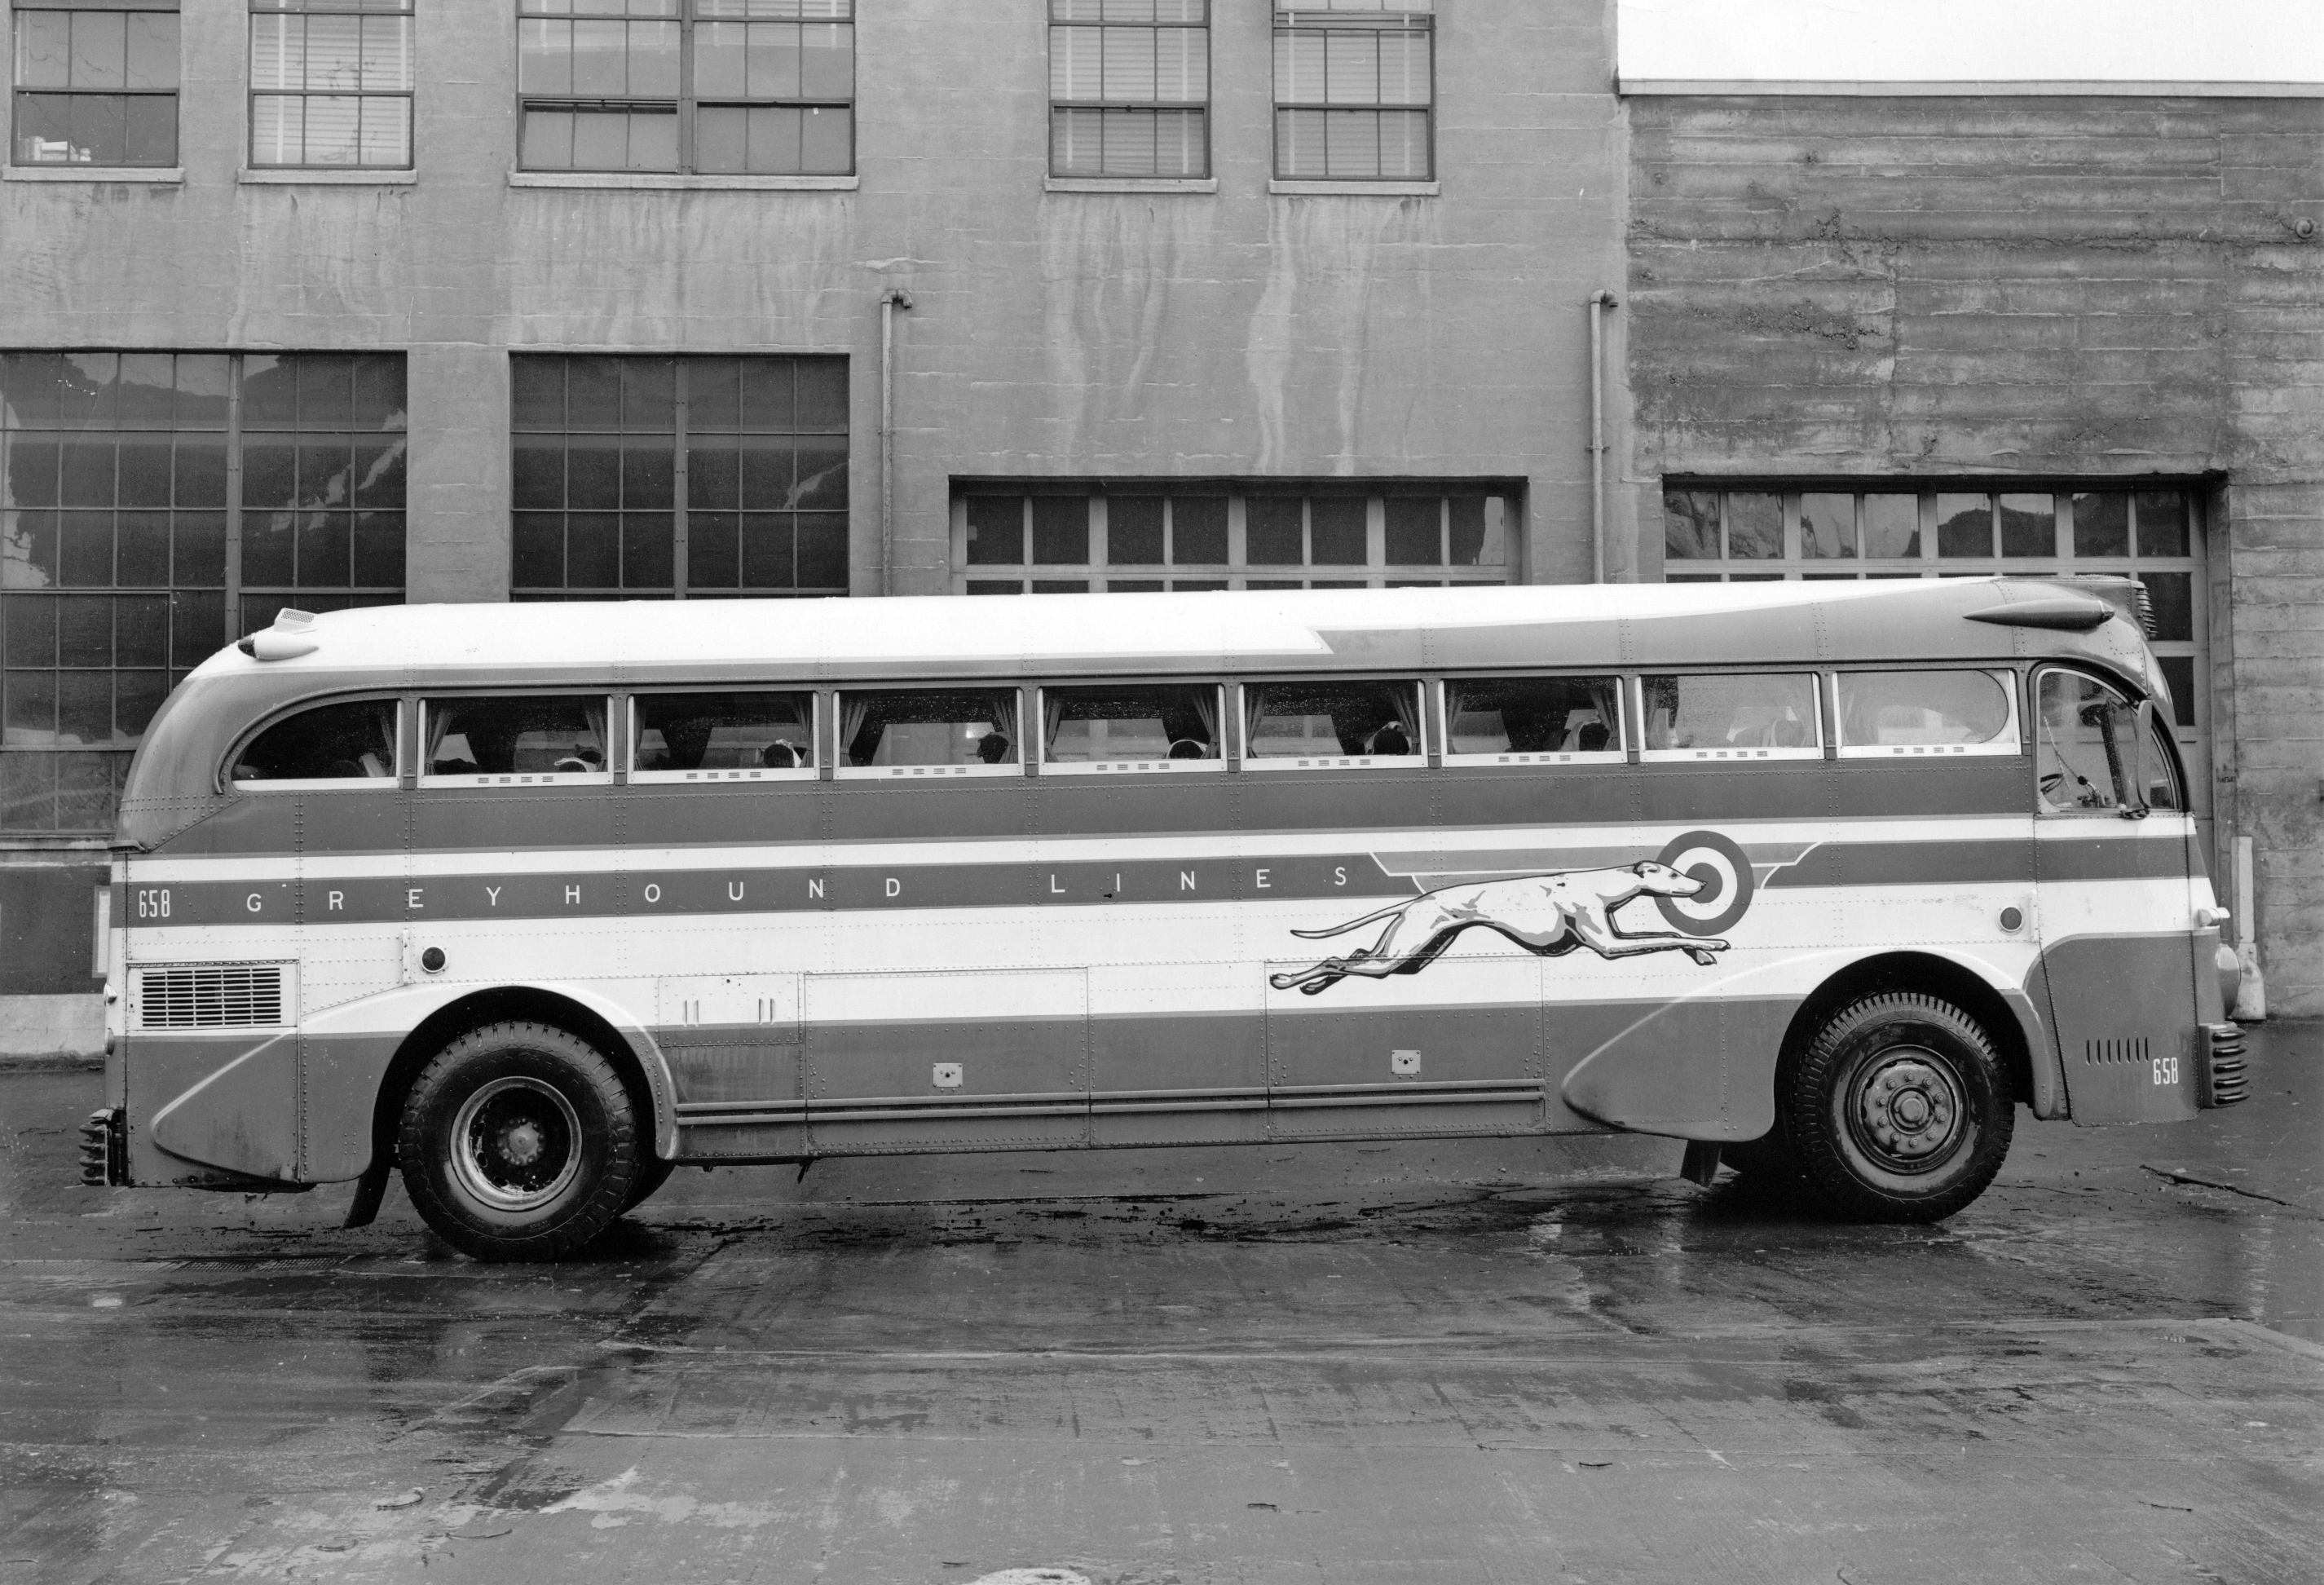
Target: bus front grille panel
column 210, row 996
column 2115, row 1052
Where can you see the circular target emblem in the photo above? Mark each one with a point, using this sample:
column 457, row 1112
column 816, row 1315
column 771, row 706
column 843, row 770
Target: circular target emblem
column 1726, row 883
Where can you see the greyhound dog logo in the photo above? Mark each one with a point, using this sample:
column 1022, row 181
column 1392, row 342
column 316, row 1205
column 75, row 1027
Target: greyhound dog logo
column 1549, row 914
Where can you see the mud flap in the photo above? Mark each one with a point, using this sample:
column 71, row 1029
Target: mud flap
column 371, row 1189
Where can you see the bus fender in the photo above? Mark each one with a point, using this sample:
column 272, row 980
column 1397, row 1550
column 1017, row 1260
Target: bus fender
column 1701, row 1066
column 1704, row 1067
column 347, row 1059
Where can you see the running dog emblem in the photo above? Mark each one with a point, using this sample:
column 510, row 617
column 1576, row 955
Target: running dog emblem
column 1550, row 914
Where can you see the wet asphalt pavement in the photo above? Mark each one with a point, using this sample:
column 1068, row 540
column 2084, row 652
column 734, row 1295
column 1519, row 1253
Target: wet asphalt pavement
column 1485, row 1361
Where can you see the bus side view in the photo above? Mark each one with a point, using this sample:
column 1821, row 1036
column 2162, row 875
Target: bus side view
column 534, row 903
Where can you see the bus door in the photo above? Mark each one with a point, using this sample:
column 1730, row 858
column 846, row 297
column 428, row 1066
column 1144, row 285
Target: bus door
column 2113, row 903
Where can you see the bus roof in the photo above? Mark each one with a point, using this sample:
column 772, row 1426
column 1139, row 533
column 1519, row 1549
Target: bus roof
column 174, row 780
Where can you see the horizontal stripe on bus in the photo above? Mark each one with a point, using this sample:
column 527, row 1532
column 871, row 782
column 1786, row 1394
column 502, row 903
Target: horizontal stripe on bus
column 1401, row 850
column 1354, row 877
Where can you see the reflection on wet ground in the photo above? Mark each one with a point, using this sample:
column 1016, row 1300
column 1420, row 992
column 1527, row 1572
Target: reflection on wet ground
column 1488, row 1360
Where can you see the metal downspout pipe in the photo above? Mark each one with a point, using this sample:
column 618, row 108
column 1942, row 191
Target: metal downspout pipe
column 1600, row 301
column 891, row 299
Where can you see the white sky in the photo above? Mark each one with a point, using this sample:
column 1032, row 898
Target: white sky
column 1973, row 41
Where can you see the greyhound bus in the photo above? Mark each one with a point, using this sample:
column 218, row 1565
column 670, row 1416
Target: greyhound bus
column 534, row 903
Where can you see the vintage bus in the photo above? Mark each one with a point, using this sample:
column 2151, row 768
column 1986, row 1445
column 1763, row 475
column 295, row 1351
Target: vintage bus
column 535, row 903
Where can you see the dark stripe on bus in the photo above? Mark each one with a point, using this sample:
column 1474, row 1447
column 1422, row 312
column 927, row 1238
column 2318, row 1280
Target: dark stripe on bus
column 1357, row 881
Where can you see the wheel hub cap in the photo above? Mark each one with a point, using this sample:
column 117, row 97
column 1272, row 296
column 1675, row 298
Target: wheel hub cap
column 516, row 1143
column 1909, row 1107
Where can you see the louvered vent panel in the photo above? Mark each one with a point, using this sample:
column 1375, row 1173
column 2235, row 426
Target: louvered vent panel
column 210, row 996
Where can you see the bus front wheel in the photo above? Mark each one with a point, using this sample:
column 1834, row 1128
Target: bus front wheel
column 519, row 1143
column 1899, row 1109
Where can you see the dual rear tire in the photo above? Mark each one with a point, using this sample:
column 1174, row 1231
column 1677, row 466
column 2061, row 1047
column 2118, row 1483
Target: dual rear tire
column 1897, row 1108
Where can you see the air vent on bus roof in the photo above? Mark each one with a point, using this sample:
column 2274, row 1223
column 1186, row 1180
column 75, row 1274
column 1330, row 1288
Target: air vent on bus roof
column 210, row 996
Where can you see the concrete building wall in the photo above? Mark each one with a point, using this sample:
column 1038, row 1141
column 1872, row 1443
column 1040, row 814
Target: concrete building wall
column 1235, row 332
column 2053, row 288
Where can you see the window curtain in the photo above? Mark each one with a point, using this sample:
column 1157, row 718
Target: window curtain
column 1004, row 712
column 1205, row 701
column 593, row 711
column 1605, row 698
column 379, row 760
column 1053, row 716
column 439, row 726
column 857, row 738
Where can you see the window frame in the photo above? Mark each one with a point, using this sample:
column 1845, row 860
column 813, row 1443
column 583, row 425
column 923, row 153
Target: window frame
column 392, row 782
column 1164, row 766
column 1501, row 509
column 1412, row 16
column 175, row 93
column 253, row 93
column 1618, row 754
column 1015, row 766
column 428, row 781
column 684, row 438
column 2012, row 740
column 685, row 106
column 1756, row 753
column 2144, row 719
column 810, row 772
column 235, row 430
column 1419, row 759
column 1104, row 106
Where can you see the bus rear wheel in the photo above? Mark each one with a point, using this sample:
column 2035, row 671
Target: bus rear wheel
column 519, row 1142
column 1899, row 1109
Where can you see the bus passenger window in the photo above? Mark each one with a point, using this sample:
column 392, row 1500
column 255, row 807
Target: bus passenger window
column 519, row 737
column 336, row 743
column 721, row 737
column 1323, row 723
column 2086, row 757
column 1532, row 721
column 1731, row 715
column 925, row 731
column 1885, row 714
column 1152, row 726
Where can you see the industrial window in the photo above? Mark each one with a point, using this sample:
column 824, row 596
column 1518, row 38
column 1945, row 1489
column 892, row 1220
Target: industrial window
column 1130, row 87
column 685, row 478
column 713, row 86
column 155, row 506
column 1966, row 528
column 1074, row 539
column 97, row 83
column 1355, row 91
column 330, row 83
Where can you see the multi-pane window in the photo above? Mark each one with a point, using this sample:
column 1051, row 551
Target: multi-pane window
column 154, row 506
column 1960, row 530
column 1355, row 91
column 654, row 477
column 1075, row 539
column 330, row 83
column 1130, row 87
column 711, row 86
column 96, row 82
